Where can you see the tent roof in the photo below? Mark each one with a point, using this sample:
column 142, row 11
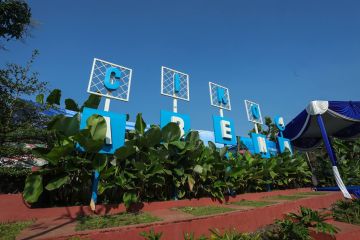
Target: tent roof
column 341, row 119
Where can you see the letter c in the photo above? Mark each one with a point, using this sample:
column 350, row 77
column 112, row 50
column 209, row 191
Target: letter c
column 109, row 84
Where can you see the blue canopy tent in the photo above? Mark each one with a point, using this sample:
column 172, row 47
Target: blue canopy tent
column 321, row 120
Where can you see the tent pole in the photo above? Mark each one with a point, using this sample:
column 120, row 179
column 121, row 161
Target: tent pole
column 332, row 157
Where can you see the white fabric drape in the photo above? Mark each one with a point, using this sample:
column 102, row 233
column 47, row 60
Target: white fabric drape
column 340, row 183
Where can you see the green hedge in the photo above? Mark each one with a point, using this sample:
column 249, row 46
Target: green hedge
column 12, row 179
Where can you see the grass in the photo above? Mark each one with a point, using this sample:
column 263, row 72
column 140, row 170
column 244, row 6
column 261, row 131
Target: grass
column 205, row 210
column 10, row 230
column 249, row 203
column 107, row 221
column 285, row 197
column 310, row 193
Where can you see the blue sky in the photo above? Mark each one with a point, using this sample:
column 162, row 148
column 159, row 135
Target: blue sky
column 281, row 54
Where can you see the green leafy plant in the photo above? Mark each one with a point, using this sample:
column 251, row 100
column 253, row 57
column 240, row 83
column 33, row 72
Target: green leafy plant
column 232, row 234
column 347, row 211
column 151, row 235
column 66, row 163
column 314, row 219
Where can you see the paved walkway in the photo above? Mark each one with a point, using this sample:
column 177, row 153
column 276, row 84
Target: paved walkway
column 175, row 223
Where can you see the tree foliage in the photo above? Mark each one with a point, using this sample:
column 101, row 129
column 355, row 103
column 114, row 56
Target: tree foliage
column 15, row 18
column 20, row 120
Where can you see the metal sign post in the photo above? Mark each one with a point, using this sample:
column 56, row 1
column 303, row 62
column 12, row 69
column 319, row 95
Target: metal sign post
column 223, row 127
column 111, row 81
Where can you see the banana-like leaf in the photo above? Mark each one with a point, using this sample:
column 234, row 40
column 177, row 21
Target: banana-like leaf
column 191, row 182
column 100, row 162
column 54, row 97
column 58, row 152
column 33, row 188
column 67, row 126
column 140, row 124
column 92, row 102
column 171, row 132
column 125, row 151
column 97, row 126
column 70, row 104
column 57, row 182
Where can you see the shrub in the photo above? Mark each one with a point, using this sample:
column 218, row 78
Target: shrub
column 347, row 211
column 12, row 179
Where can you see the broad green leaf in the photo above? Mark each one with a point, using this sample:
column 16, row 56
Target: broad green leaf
column 273, row 174
column 192, row 137
column 179, row 144
column 212, row 145
column 54, row 97
column 57, row 182
column 191, row 182
column 198, row 169
column 40, row 98
column 125, row 151
column 85, row 139
column 67, row 126
column 129, row 198
column 171, row 132
column 58, row 152
column 140, row 125
column 33, row 188
column 152, row 136
column 97, row 126
column 70, row 104
column 100, row 161
column 223, row 151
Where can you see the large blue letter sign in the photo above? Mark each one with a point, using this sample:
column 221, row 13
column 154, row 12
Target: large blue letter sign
column 109, row 84
column 284, row 144
column 115, row 134
column 181, row 119
column 224, row 130
column 260, row 146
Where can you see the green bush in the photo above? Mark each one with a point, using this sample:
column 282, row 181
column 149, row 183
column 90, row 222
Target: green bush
column 12, row 179
column 297, row 226
column 347, row 211
column 153, row 165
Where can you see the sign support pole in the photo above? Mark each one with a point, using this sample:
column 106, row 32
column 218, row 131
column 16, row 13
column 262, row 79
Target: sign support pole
column 221, row 112
column 96, row 172
column 174, row 105
column 256, row 128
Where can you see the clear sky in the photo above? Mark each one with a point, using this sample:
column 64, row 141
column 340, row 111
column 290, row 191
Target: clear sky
column 281, row 54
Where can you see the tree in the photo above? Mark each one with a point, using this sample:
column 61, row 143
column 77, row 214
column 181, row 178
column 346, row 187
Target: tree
column 20, row 120
column 15, row 18
column 271, row 131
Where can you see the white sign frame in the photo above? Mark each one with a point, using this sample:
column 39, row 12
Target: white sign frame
column 211, row 97
column 248, row 104
column 174, row 95
column 109, row 95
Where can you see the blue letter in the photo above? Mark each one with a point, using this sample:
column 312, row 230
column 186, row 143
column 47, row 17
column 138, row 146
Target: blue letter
column 255, row 111
column 176, row 82
column 221, row 96
column 112, row 85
